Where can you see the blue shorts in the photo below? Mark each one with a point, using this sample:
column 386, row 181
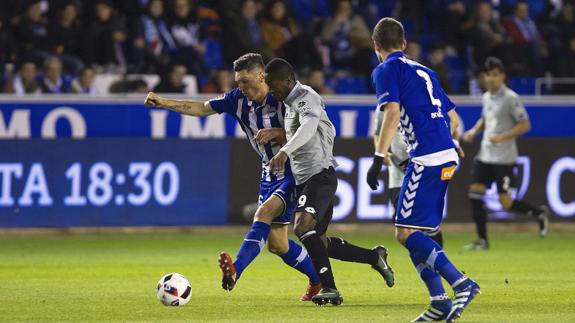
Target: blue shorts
column 422, row 196
column 285, row 190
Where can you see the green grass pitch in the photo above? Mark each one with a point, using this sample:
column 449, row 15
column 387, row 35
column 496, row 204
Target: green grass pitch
column 112, row 277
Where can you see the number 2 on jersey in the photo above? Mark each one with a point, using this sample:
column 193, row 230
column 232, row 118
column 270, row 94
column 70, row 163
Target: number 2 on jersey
column 425, row 76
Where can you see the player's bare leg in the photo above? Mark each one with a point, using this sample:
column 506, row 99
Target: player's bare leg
column 541, row 214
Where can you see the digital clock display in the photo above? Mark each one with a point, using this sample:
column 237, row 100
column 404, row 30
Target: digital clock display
column 97, row 182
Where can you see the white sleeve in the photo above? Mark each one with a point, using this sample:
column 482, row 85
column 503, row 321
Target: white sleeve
column 309, row 111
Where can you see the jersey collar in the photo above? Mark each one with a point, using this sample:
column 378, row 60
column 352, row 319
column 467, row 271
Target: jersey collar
column 394, row 55
column 292, row 95
column 499, row 92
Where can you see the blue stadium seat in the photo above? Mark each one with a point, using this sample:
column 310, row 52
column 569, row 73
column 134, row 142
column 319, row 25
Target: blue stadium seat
column 426, row 40
column 214, row 54
column 408, row 27
column 523, row 85
column 352, row 85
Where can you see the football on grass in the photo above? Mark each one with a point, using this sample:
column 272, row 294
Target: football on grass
column 174, row 290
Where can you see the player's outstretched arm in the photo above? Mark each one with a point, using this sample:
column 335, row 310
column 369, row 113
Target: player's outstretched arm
column 520, row 128
column 187, row 107
column 473, row 132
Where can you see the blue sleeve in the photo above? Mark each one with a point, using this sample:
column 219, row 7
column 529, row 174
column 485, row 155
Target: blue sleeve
column 386, row 81
column 226, row 103
column 446, row 103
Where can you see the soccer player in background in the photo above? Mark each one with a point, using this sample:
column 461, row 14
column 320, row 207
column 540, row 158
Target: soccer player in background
column 261, row 117
column 502, row 120
column 310, row 138
column 411, row 96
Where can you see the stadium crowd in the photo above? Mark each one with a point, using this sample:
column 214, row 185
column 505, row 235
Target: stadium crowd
column 61, row 46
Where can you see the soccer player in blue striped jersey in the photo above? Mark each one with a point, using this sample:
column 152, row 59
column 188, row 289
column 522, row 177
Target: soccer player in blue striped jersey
column 410, row 96
column 261, row 118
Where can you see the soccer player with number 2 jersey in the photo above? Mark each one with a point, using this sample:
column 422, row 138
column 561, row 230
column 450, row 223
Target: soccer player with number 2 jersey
column 410, row 95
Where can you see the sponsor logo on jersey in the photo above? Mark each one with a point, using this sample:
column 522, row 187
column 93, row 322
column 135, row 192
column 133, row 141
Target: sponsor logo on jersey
column 447, row 173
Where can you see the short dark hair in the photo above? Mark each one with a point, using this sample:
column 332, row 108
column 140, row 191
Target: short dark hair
column 248, row 62
column 388, row 33
column 279, row 68
column 493, row 63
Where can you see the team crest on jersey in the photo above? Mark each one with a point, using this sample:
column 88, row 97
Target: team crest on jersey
column 447, row 173
column 302, row 107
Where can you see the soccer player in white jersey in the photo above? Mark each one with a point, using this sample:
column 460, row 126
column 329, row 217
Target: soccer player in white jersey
column 310, row 136
column 410, row 96
column 502, row 120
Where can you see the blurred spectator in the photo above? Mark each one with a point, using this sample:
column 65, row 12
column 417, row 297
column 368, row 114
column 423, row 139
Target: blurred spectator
column 30, row 34
column 549, row 26
column 487, row 36
column 139, row 86
column 566, row 68
column 125, row 85
column 243, row 34
column 53, row 81
column 65, row 35
column 160, row 45
column 413, row 50
column 24, row 82
column 373, row 10
column 316, row 80
column 436, row 61
column 85, row 83
column 277, row 26
column 452, row 19
column 222, row 81
column 528, row 47
column 282, row 34
column 567, row 19
column 104, row 38
column 173, row 82
column 6, row 52
column 185, row 30
column 349, row 39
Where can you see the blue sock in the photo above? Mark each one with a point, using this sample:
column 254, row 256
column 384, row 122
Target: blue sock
column 298, row 258
column 432, row 280
column 426, row 251
column 253, row 243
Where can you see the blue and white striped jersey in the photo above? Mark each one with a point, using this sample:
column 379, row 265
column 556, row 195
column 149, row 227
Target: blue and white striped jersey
column 253, row 117
column 423, row 104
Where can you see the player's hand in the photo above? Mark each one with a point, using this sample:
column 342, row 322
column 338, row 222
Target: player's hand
column 468, row 136
column 266, row 135
column 277, row 163
column 496, row 139
column 153, row 100
column 458, row 148
column 373, row 172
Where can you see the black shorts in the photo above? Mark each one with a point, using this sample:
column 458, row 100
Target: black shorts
column 486, row 174
column 316, row 196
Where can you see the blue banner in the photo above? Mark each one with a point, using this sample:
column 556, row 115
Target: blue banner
column 113, row 182
column 99, row 118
